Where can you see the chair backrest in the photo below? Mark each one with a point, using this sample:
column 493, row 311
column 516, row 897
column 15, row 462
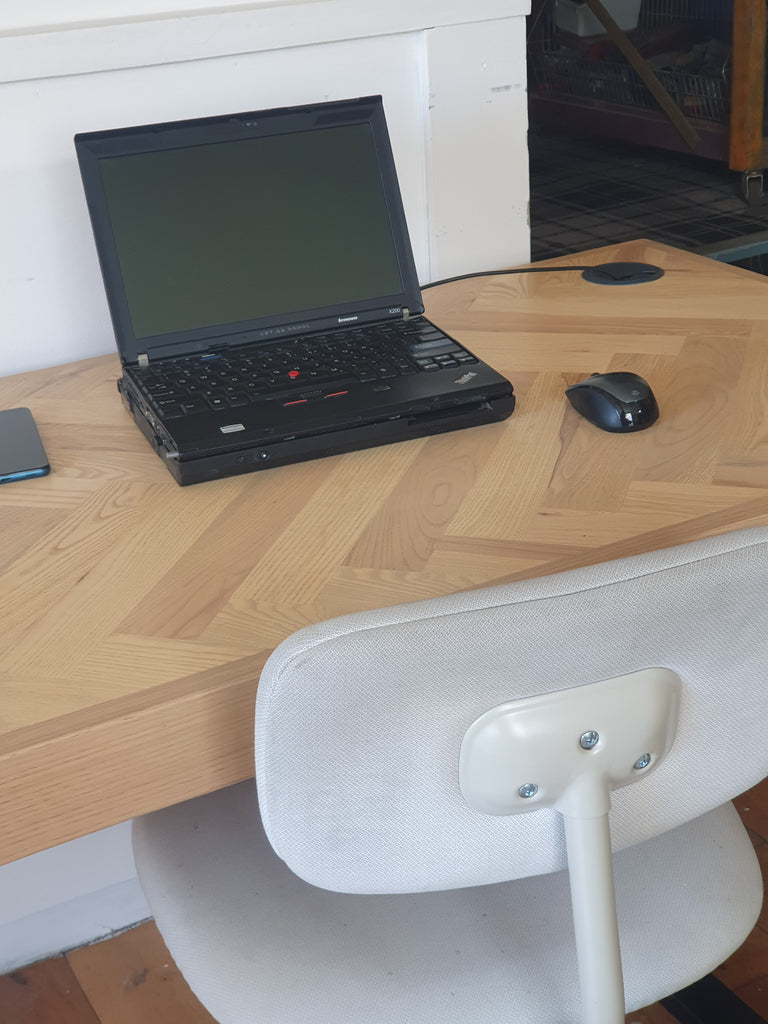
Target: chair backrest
column 360, row 720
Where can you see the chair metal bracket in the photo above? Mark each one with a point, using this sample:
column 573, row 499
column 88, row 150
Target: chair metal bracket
column 540, row 751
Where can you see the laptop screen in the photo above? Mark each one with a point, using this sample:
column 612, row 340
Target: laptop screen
column 215, row 234
column 246, row 226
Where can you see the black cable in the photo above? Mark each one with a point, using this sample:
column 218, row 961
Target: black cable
column 495, row 273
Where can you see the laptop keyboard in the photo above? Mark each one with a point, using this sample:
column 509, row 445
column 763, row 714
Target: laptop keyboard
column 314, row 367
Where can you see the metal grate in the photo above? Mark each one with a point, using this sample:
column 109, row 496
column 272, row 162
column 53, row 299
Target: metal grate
column 710, row 14
column 698, row 78
column 570, row 75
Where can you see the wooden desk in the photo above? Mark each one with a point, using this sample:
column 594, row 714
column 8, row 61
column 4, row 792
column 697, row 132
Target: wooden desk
column 136, row 615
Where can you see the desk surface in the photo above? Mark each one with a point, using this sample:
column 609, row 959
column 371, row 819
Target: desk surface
column 136, row 615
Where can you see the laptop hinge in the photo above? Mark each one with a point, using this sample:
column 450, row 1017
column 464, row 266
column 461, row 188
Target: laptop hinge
column 143, row 359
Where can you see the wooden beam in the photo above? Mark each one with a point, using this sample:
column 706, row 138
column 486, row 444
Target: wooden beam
column 746, row 129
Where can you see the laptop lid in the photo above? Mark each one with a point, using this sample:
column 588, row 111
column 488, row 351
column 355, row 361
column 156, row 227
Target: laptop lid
column 218, row 231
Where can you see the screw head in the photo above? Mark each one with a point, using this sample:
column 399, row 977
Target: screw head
column 528, row 790
column 589, row 739
column 642, row 762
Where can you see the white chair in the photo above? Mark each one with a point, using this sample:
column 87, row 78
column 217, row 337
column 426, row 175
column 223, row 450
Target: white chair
column 426, row 771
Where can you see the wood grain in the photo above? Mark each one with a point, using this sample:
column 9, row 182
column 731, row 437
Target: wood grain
column 747, row 86
column 132, row 979
column 45, row 993
column 137, row 614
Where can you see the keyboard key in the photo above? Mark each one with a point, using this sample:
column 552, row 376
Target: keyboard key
column 191, row 405
column 169, row 407
column 438, row 345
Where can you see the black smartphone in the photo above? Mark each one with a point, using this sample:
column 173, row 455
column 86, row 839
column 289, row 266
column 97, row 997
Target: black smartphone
column 21, row 451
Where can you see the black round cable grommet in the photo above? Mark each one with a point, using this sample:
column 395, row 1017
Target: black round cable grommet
column 623, row 273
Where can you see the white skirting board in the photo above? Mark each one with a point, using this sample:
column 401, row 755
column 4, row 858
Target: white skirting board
column 69, row 925
column 68, row 896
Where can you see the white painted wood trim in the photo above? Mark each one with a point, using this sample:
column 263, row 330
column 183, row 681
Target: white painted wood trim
column 477, row 167
column 19, row 16
column 40, row 40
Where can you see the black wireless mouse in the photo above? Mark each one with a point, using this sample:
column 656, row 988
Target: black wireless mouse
column 618, row 401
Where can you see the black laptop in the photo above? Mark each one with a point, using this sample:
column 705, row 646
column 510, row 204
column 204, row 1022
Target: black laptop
column 263, row 291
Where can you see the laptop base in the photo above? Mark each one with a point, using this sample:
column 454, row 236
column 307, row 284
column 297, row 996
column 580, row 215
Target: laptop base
column 284, row 452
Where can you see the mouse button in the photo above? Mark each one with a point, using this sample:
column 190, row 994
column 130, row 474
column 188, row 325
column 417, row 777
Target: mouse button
column 622, row 385
column 630, row 390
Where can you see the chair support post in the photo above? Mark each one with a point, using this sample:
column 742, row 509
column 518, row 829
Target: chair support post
column 593, row 900
column 567, row 750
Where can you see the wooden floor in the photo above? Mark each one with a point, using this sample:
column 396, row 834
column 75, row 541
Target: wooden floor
column 131, row 978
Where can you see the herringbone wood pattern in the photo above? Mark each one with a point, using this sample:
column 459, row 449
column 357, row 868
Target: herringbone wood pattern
column 137, row 614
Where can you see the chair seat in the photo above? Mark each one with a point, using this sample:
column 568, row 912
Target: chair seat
column 257, row 944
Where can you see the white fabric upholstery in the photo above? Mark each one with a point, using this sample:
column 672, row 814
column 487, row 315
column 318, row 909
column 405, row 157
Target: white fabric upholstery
column 359, row 720
column 358, row 727
column 259, row 946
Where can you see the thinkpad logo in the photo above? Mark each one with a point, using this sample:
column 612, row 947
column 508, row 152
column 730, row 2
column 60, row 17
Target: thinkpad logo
column 465, row 378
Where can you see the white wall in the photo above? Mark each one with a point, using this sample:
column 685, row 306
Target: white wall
column 452, row 73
